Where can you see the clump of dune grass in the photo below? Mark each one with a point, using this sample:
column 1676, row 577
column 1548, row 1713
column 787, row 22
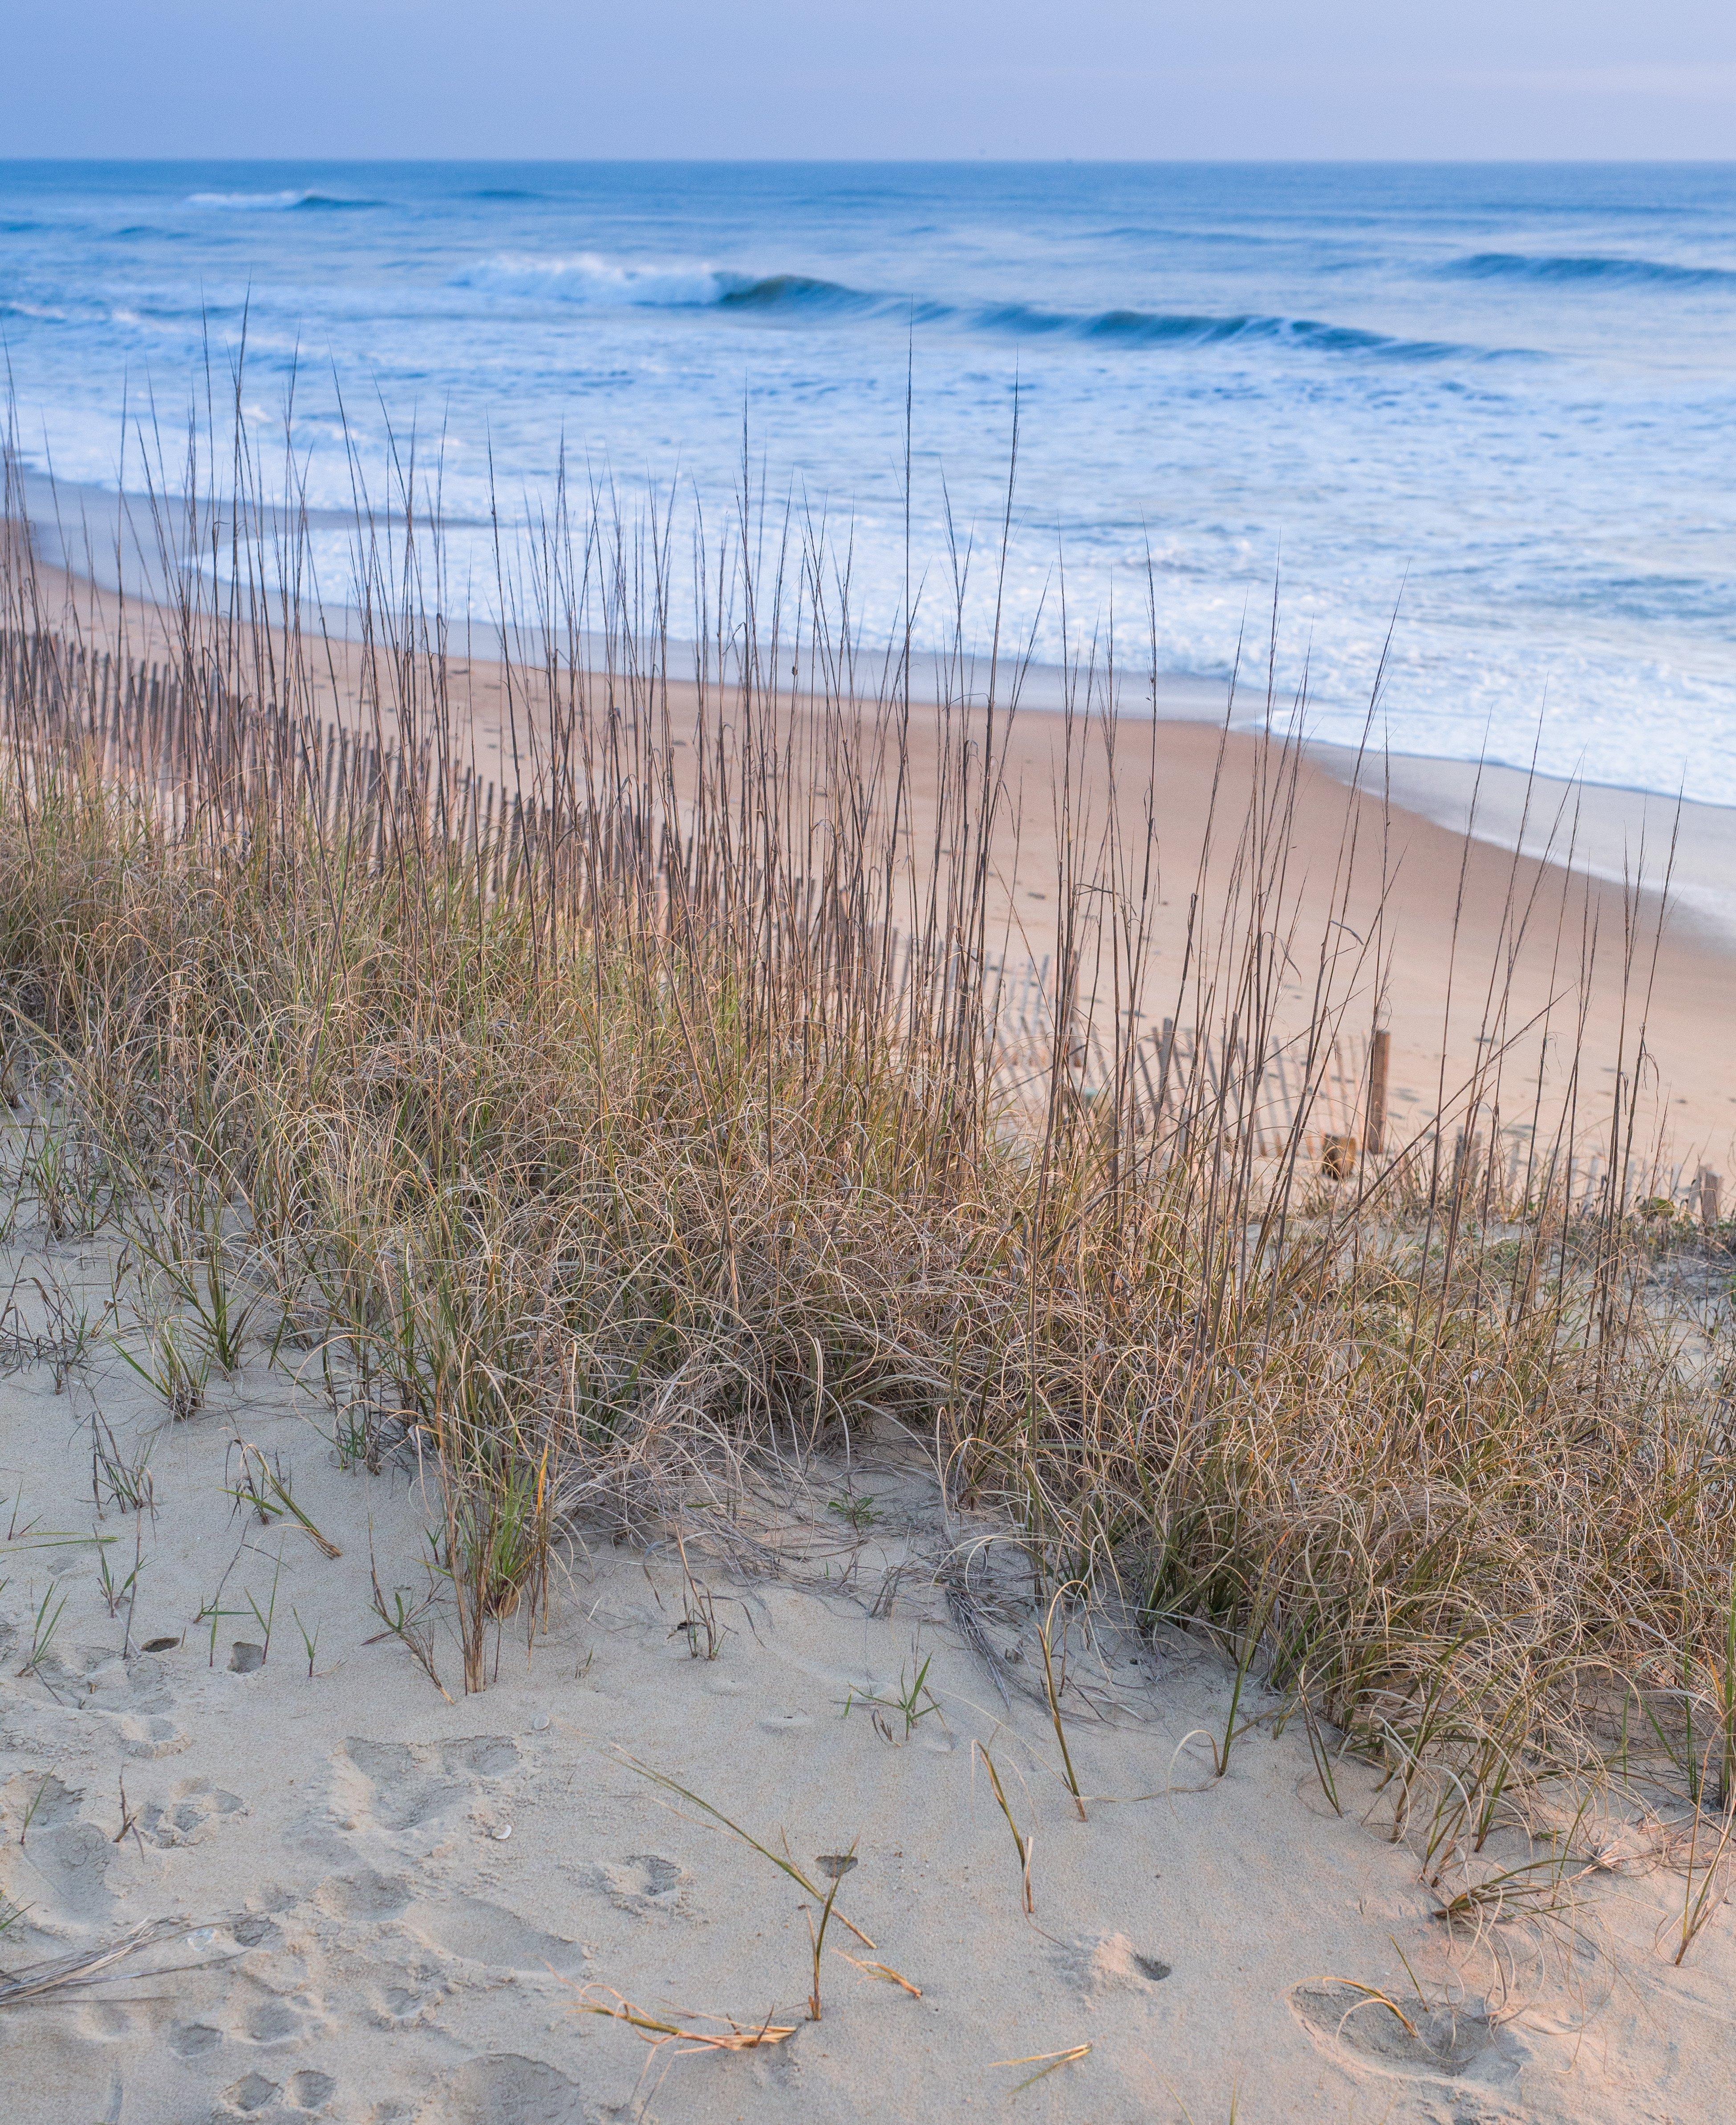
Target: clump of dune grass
column 606, row 1135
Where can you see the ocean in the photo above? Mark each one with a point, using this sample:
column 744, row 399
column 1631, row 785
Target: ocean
column 1469, row 427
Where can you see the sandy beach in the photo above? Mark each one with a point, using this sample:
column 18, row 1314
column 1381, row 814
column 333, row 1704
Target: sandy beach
column 374, row 1903
column 235, row 1748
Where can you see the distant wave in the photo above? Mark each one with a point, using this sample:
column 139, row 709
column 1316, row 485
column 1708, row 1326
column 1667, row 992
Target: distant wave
column 1123, row 327
column 1610, row 272
column 286, row 202
column 1182, row 328
column 502, row 192
column 588, row 279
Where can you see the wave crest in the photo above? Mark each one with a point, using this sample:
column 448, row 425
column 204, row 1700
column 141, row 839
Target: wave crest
column 1183, row 328
column 1590, row 269
column 589, row 279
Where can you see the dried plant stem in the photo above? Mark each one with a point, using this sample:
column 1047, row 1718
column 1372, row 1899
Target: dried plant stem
column 1023, row 1845
column 1054, row 1697
column 656, row 2029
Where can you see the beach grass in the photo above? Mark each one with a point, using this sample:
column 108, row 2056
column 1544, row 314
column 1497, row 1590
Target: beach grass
column 615, row 1137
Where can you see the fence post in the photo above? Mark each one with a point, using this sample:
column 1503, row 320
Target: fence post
column 1709, row 1185
column 1374, row 1129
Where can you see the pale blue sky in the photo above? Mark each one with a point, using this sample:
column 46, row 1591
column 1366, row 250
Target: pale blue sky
column 1578, row 78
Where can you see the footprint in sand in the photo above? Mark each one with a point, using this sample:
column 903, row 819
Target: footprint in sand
column 57, row 1866
column 190, row 1814
column 277, row 2022
column 645, row 1884
column 488, row 1933
column 143, row 1685
column 307, row 2093
column 503, row 2089
column 397, row 2006
column 396, row 1786
column 150, row 1735
column 192, row 2040
column 365, row 1895
column 1436, row 2042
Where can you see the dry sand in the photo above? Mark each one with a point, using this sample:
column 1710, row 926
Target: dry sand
column 393, row 1904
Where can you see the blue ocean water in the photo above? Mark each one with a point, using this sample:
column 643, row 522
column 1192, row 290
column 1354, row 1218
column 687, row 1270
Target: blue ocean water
column 1490, row 410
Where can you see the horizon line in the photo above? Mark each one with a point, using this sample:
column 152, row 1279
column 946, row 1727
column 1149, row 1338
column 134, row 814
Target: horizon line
column 919, row 162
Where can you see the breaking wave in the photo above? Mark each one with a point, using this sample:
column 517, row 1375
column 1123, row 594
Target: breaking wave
column 588, row 279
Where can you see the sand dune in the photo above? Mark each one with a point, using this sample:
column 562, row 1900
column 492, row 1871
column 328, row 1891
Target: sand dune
column 390, row 1906
column 261, row 1857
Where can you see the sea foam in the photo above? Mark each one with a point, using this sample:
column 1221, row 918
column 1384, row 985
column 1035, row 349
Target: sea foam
column 586, row 277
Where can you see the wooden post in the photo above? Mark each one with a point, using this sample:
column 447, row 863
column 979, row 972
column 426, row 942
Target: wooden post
column 1710, row 1184
column 1374, row 1127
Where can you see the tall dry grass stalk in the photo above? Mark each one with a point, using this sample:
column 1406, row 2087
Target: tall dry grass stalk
column 637, row 1121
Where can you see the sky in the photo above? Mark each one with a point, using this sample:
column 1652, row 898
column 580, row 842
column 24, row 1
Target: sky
column 1242, row 79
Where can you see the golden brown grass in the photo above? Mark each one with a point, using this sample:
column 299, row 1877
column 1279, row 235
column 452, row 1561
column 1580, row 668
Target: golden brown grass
column 606, row 1149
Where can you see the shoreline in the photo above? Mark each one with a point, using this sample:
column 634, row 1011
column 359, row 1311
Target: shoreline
column 1605, row 825
column 1437, row 910
column 1614, row 832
